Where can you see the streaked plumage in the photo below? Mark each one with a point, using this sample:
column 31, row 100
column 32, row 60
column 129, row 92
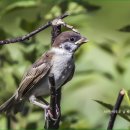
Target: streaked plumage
column 58, row 60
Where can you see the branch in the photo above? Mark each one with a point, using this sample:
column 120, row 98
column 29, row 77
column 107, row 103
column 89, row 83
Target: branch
column 8, row 122
column 115, row 110
column 27, row 36
column 56, row 30
column 51, row 121
column 58, row 102
column 55, row 98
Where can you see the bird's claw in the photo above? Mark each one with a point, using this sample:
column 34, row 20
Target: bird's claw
column 49, row 114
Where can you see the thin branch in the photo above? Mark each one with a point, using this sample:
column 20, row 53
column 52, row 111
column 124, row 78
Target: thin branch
column 27, row 36
column 56, row 30
column 53, row 96
column 8, row 122
column 50, row 121
column 115, row 110
column 58, row 102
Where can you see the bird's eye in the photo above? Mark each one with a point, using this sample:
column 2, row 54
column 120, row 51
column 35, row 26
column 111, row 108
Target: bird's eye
column 72, row 39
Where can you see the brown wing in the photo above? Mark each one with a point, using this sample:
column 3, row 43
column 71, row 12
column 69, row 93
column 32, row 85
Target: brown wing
column 37, row 71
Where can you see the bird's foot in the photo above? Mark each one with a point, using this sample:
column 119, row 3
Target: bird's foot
column 48, row 113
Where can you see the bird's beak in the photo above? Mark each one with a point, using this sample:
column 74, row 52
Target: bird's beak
column 81, row 41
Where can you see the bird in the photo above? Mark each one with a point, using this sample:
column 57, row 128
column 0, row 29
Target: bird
column 58, row 60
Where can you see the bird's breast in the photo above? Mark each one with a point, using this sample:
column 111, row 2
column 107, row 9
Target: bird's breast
column 62, row 68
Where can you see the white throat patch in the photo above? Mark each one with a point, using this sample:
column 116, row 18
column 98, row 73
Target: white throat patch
column 60, row 51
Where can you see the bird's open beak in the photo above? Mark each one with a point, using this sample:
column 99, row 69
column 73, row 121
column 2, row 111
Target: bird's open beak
column 81, row 41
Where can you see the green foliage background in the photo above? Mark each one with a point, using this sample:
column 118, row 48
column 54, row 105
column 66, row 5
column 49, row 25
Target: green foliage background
column 102, row 65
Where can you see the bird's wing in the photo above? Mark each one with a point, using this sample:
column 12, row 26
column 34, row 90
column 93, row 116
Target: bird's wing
column 37, row 71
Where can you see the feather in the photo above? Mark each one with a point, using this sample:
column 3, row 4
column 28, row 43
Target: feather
column 36, row 72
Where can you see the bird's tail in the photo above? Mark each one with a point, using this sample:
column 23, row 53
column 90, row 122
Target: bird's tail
column 7, row 106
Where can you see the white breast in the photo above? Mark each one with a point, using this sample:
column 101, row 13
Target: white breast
column 62, row 63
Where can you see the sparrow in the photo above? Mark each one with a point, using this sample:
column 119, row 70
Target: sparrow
column 58, row 60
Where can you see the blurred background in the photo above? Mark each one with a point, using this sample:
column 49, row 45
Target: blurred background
column 102, row 65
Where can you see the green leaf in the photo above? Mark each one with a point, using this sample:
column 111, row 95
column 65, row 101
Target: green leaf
column 18, row 4
column 110, row 107
column 127, row 94
column 31, row 126
column 125, row 28
column 2, row 34
column 28, row 26
column 89, row 7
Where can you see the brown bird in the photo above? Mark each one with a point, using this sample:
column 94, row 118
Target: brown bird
column 58, row 61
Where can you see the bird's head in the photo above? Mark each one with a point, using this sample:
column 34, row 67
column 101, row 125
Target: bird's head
column 69, row 41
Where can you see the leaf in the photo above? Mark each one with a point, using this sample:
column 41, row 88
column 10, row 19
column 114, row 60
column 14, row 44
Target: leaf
column 69, row 118
column 31, row 126
column 18, row 4
column 120, row 69
column 110, row 107
column 2, row 34
column 64, row 6
column 108, row 75
column 125, row 28
column 127, row 95
column 107, row 48
column 28, row 26
column 83, row 72
column 109, row 19
column 89, row 7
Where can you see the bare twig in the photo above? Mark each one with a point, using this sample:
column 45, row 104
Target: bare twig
column 8, row 122
column 56, row 30
column 53, row 96
column 58, row 102
column 50, row 121
column 26, row 37
column 115, row 110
